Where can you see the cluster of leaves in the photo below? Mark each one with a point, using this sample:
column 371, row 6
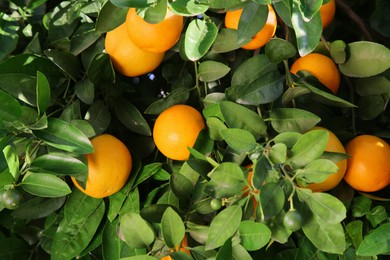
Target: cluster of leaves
column 58, row 88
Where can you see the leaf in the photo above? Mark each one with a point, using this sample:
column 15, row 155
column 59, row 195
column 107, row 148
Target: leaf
column 8, row 35
column 43, row 92
column 172, row 228
column 278, row 153
column 66, row 61
column 98, row 116
column 188, row 7
column 371, row 107
column 309, row 146
column 376, row 85
column 45, row 185
column 293, row 120
column 10, row 109
column 327, row 98
column 83, row 215
column 238, row 116
column 130, row 117
column 354, row 230
column 181, row 186
column 252, row 20
column 85, row 91
column 262, row 170
column 100, row 69
column 212, row 70
column 239, row 139
column 65, row 136
column 323, row 205
column 254, row 235
column 225, row 252
column 287, row 138
column 366, row 59
column 309, row 8
column 25, row 90
column 38, row 207
column 318, row 170
column 331, row 240
column 12, row 159
column 13, row 247
column 136, row 231
column 177, row 96
column 226, row 40
column 58, row 164
column 308, row 33
column 199, row 37
column 278, row 50
column 223, row 226
column 214, row 127
column 376, row 242
column 111, row 243
column 226, row 180
column 147, row 171
column 110, row 17
column 271, row 199
column 133, row 3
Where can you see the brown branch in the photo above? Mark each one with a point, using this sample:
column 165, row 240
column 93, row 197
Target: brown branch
column 359, row 22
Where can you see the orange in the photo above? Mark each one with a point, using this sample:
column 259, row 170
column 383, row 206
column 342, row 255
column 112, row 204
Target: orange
column 181, row 247
column 334, row 145
column 247, row 188
column 158, row 37
column 177, row 128
column 327, row 12
column 321, row 67
column 232, row 19
column 126, row 57
column 368, row 167
column 109, row 167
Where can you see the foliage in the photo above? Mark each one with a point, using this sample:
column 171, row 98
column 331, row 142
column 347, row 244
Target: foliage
column 58, row 88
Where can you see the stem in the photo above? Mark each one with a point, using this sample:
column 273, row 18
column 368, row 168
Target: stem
column 197, row 79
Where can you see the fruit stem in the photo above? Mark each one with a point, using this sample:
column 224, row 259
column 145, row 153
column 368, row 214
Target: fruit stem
column 197, row 79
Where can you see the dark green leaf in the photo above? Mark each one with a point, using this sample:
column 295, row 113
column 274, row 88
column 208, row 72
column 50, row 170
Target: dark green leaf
column 278, row 50
column 147, row 171
column 177, row 96
column 110, row 17
column 45, row 185
column 43, row 92
column 13, row 248
column 38, row 207
column 371, row 106
column 226, row 40
column 271, row 199
column 327, row 98
column 372, row 86
column 8, row 35
column 10, row 109
column 111, row 243
column 85, row 91
column 98, row 116
column 181, row 186
column 67, row 62
column 100, row 70
column 58, row 164
column 252, row 20
column 225, row 251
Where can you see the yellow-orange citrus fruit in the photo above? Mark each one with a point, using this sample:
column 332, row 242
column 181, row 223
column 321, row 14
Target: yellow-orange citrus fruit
column 321, row 67
column 177, row 128
column 158, row 37
column 368, row 167
column 181, row 247
column 109, row 167
column 126, row 57
column 327, row 12
column 334, row 145
column 247, row 188
column 232, row 19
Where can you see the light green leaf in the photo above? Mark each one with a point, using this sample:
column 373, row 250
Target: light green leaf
column 376, row 242
column 43, row 92
column 239, row 139
column 136, row 231
column 292, row 120
column 45, row 185
column 212, row 70
column 254, row 235
column 172, row 228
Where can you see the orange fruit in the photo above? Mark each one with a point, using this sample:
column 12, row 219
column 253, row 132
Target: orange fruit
column 158, row 37
column 177, row 128
column 181, row 247
column 232, row 19
column 321, row 67
column 109, row 167
column 126, row 57
column 334, row 145
column 327, row 12
column 368, row 167
column 247, row 188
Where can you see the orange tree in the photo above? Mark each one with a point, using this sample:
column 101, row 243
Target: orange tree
column 61, row 85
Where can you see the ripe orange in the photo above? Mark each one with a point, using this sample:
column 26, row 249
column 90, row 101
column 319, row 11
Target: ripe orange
column 321, row 67
column 156, row 38
column 126, row 57
column 368, row 167
column 327, row 12
column 177, row 128
column 232, row 19
column 247, row 188
column 181, row 247
column 109, row 167
column 334, row 145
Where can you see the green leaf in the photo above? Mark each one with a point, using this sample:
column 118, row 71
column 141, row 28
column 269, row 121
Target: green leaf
column 13, row 247
column 331, row 238
column 317, row 170
column 111, row 243
column 271, row 199
column 25, row 90
column 66, row 61
column 292, row 120
column 323, row 205
column 376, row 242
column 361, row 206
column 214, row 127
column 8, row 35
column 133, row 3
column 212, row 70
column 252, row 20
column 309, row 8
column 12, row 159
column 338, row 51
column 327, row 98
column 83, row 215
column 83, row 39
column 65, row 136
column 58, row 164
column 110, row 17
column 226, row 40
column 43, row 92
column 262, row 170
column 131, row 203
column 226, row 180
column 130, row 117
column 98, row 116
column 366, row 59
column 223, row 226
column 239, row 139
column 354, row 230
column 308, row 33
column 136, row 231
column 39, row 207
column 100, row 69
column 238, row 116
column 181, row 186
column 377, row 215
column 199, row 37
column 45, row 185
column 172, row 228
column 10, row 109
column 188, row 7
column 177, row 96
column 287, row 138
column 156, row 13
column 240, row 253
column 254, row 235
column 278, row 153
column 309, row 147
column 147, row 172
column 371, row 107
column 376, row 85
column 278, row 50
column 85, row 91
